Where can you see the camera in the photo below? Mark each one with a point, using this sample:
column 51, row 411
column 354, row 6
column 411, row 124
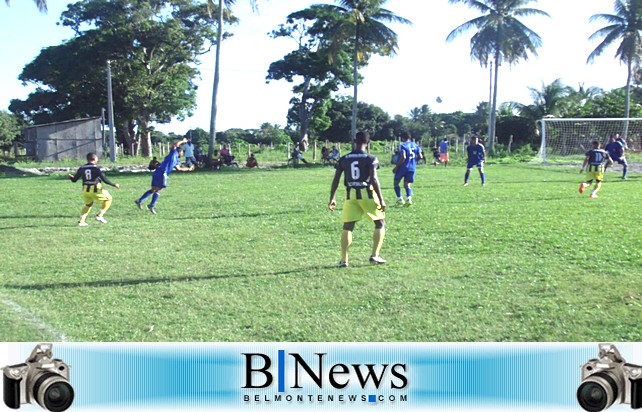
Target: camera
column 41, row 379
column 608, row 380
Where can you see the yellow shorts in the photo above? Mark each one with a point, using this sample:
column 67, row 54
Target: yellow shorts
column 354, row 209
column 595, row 172
column 91, row 194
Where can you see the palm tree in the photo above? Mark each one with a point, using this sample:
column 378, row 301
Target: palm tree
column 624, row 25
column 550, row 98
column 42, row 4
column 222, row 10
column 500, row 36
column 364, row 28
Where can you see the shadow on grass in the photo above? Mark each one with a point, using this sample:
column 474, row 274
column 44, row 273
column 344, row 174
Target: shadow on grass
column 31, row 227
column 35, row 217
column 151, row 281
column 66, row 217
column 238, row 215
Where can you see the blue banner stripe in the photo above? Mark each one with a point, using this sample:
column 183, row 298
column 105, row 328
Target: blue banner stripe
column 281, row 370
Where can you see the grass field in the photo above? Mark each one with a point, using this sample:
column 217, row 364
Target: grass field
column 249, row 255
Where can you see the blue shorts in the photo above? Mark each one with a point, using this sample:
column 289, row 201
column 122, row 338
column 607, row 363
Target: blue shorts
column 407, row 175
column 620, row 160
column 479, row 164
column 159, row 179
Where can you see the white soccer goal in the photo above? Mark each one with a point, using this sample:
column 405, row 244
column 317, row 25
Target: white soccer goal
column 566, row 140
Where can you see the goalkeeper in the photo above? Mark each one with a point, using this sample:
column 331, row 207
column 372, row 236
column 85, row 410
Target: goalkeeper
column 594, row 159
column 616, row 150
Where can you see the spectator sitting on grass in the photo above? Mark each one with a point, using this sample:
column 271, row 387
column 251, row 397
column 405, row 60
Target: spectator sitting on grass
column 251, row 161
column 298, row 155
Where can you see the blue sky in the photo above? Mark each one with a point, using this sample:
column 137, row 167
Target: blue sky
column 424, row 68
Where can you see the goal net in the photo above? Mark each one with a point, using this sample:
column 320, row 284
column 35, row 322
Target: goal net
column 567, row 140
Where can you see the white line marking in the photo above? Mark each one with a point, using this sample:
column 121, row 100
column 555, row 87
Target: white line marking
column 31, row 318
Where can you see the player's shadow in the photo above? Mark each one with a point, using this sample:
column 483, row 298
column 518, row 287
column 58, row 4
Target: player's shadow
column 35, row 217
column 32, row 217
column 238, row 215
column 151, row 281
column 28, row 227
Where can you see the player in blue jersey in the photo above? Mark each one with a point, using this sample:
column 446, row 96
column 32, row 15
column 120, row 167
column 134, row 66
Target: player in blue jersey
column 406, row 167
column 617, row 150
column 444, row 156
column 476, row 157
column 92, row 190
column 363, row 197
column 594, row 159
column 159, row 176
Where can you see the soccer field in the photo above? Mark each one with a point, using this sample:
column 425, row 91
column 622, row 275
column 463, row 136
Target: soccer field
column 249, row 255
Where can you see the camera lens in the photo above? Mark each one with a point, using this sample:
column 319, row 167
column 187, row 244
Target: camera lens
column 53, row 392
column 597, row 392
column 592, row 396
column 58, row 396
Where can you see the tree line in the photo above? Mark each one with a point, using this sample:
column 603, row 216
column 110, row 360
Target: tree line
column 154, row 47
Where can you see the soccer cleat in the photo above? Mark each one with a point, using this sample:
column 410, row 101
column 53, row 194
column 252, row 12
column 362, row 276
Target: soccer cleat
column 101, row 219
column 593, row 196
column 623, row 177
column 139, row 204
column 82, row 223
column 152, row 209
column 400, row 202
column 583, row 187
column 409, row 203
column 377, row 260
column 466, row 184
column 342, row 265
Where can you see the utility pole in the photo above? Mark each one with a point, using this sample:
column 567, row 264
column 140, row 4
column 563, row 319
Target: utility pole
column 110, row 115
column 491, row 129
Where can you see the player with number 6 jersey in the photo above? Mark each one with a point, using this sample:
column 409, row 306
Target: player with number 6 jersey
column 92, row 190
column 363, row 197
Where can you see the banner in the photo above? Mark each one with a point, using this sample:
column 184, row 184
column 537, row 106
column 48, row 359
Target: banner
column 308, row 376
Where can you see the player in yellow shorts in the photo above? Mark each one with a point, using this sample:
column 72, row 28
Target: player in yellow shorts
column 92, row 190
column 363, row 197
column 594, row 159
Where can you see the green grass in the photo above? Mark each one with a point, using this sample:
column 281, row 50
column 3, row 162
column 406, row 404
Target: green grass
column 248, row 255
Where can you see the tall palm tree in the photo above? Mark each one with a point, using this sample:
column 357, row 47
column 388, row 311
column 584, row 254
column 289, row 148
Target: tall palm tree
column 500, row 36
column 222, row 10
column 41, row 4
column 624, row 26
column 363, row 28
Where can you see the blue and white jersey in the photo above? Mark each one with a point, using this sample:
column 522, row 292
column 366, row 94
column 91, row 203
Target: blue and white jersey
column 412, row 152
column 476, row 153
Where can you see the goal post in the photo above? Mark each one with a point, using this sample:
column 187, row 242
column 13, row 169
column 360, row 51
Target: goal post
column 566, row 140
